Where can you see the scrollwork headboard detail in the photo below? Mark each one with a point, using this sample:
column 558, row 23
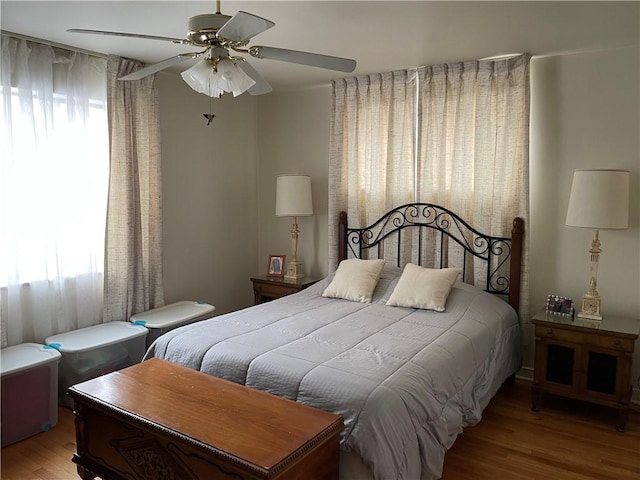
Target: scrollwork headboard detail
column 502, row 255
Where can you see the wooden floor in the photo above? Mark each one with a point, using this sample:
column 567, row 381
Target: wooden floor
column 566, row 440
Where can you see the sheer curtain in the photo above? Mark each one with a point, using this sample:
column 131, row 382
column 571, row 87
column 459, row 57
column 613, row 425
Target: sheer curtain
column 456, row 135
column 53, row 183
column 372, row 149
column 474, row 148
column 133, row 263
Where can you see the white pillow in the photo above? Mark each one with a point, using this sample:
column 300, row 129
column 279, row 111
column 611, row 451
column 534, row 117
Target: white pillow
column 355, row 280
column 425, row 288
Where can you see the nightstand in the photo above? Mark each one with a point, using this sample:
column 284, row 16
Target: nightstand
column 270, row 288
column 585, row 360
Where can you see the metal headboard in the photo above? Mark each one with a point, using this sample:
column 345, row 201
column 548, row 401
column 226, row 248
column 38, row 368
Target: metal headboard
column 503, row 255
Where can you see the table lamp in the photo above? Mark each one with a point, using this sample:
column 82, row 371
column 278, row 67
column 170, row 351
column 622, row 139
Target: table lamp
column 599, row 199
column 293, row 199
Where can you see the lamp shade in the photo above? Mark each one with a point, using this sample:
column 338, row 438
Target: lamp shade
column 293, row 196
column 599, row 199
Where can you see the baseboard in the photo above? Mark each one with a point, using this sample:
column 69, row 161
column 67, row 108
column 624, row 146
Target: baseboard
column 526, row 373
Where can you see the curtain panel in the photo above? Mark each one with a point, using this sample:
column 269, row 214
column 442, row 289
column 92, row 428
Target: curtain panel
column 474, row 149
column 473, row 156
column 372, row 152
column 133, row 246
column 53, row 186
column 456, row 135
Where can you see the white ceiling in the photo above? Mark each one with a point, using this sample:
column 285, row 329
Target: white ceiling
column 381, row 36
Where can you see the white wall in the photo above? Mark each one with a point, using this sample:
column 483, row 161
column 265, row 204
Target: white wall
column 584, row 114
column 294, row 139
column 209, row 199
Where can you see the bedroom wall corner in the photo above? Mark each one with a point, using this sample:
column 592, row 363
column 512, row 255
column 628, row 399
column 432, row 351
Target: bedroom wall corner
column 209, row 196
column 293, row 138
column 584, row 114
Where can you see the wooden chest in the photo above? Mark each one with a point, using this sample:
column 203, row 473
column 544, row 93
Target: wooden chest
column 157, row 420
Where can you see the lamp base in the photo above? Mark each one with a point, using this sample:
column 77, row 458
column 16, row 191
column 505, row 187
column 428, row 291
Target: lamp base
column 590, row 308
column 294, row 271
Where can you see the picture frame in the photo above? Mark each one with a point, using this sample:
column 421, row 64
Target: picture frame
column 275, row 267
column 559, row 305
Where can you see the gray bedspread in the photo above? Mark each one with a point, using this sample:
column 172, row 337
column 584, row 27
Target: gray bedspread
column 405, row 381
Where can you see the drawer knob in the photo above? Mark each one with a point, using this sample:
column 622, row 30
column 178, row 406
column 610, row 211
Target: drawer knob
column 617, row 342
column 550, row 332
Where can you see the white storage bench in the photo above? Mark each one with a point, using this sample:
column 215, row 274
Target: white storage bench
column 161, row 320
column 29, row 390
column 93, row 351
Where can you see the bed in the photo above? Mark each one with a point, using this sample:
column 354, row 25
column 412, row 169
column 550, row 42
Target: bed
column 405, row 380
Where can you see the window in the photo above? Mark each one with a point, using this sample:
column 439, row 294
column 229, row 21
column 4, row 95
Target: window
column 54, row 173
column 54, row 190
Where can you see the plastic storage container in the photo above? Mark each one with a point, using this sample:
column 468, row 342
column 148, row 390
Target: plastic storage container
column 161, row 320
column 29, row 390
column 93, row 351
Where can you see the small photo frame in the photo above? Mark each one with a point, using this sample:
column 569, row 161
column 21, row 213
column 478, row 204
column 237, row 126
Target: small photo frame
column 275, row 267
column 559, row 305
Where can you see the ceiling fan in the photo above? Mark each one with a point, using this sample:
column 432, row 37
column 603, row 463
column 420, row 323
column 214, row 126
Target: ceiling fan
column 217, row 71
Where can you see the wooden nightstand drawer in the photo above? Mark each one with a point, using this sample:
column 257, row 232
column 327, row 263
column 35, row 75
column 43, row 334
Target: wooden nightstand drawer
column 585, row 338
column 275, row 291
column 622, row 344
column 270, row 288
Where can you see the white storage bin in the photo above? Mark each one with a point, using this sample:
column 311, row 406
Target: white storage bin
column 93, row 351
column 29, row 390
column 161, row 320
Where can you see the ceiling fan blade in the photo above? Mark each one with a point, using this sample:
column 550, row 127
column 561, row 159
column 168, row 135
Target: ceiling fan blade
column 243, row 26
column 123, row 34
column 261, row 86
column 304, row 58
column 156, row 67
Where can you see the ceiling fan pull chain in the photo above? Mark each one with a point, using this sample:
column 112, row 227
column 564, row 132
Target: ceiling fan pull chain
column 209, row 116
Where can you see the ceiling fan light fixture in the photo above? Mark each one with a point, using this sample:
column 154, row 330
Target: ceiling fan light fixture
column 231, row 78
column 213, row 77
column 197, row 77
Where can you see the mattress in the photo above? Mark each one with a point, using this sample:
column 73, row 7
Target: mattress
column 405, row 381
